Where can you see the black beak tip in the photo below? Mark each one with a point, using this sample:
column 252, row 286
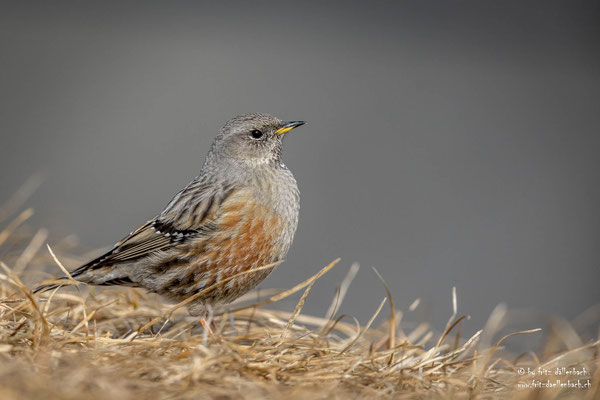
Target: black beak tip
column 294, row 124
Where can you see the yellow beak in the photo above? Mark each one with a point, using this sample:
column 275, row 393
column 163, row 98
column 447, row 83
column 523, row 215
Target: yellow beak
column 288, row 126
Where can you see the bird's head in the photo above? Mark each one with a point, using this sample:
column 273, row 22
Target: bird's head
column 256, row 138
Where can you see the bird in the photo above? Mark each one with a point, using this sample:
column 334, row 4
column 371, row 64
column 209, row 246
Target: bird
column 238, row 214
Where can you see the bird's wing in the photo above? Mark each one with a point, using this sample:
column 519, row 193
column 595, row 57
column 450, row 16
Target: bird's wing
column 189, row 215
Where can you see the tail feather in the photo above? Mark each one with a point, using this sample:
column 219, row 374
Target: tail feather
column 75, row 273
column 94, row 277
column 50, row 286
column 94, row 272
column 45, row 288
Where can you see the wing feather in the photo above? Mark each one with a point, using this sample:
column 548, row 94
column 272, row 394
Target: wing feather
column 189, row 215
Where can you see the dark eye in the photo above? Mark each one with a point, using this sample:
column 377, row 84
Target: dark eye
column 256, row 134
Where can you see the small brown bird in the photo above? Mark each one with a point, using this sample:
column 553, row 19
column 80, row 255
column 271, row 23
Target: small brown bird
column 240, row 213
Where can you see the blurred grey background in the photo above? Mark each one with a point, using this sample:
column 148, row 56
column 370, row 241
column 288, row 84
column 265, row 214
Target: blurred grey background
column 447, row 144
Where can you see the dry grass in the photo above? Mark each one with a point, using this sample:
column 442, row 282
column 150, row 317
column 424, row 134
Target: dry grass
column 125, row 344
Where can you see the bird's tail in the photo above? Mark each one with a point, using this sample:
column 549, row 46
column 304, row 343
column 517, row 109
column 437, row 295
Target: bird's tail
column 50, row 286
column 74, row 274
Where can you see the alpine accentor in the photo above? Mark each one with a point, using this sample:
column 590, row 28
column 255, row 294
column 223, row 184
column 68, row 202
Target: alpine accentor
column 240, row 213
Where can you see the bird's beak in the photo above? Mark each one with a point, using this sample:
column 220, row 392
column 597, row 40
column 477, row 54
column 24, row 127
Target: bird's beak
column 288, row 126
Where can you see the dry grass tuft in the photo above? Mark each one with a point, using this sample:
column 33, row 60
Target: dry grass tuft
column 114, row 343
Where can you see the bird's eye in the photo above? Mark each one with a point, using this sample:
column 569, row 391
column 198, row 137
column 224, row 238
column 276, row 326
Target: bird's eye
column 256, row 134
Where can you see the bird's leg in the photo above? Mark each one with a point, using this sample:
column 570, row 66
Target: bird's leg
column 232, row 321
column 207, row 322
column 206, row 325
